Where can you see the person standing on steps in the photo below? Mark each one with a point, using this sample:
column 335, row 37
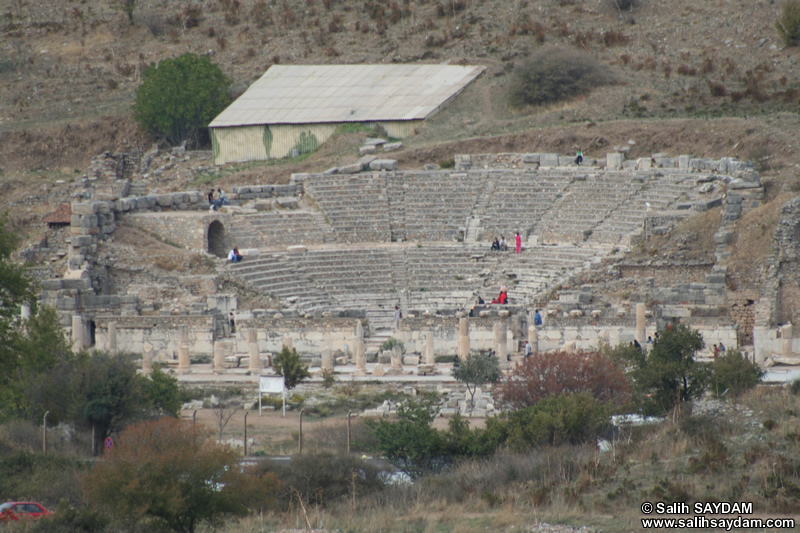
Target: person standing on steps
column 397, row 316
column 518, row 242
column 579, row 158
column 537, row 319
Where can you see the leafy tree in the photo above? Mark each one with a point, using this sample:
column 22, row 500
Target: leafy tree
column 16, row 289
column 163, row 393
column 670, row 375
column 475, row 371
column 288, row 364
column 734, row 374
column 179, row 97
column 566, row 419
column 416, row 448
column 545, row 375
column 169, row 474
column 108, row 394
column 411, row 443
column 788, row 25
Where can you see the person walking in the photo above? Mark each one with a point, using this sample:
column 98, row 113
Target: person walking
column 397, row 316
column 518, row 242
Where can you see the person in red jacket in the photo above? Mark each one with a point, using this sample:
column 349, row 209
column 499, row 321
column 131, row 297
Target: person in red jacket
column 502, row 298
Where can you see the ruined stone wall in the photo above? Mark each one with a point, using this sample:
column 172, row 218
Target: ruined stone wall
column 161, row 332
column 189, row 230
column 665, row 272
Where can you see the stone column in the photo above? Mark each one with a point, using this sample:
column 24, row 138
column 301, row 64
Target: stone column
column 77, row 333
column 641, row 324
column 219, row 357
column 327, row 354
column 430, row 357
column 500, row 337
column 25, row 311
column 360, row 357
column 533, row 338
column 569, row 346
column 463, row 337
column 786, row 340
column 112, row 337
column 252, row 348
column 184, row 363
column 147, row 360
column 397, row 361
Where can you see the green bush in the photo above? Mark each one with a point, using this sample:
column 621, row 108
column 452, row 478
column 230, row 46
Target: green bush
column 795, row 387
column 179, row 97
column 552, row 75
column 391, row 343
column 733, row 374
column 567, row 419
column 788, row 25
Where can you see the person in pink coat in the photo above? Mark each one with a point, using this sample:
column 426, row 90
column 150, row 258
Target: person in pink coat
column 519, row 242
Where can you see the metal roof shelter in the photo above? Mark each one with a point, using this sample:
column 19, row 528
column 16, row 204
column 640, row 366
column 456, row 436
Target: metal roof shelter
column 296, row 107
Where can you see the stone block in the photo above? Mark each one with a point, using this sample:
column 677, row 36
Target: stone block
column 374, row 141
column 354, row 168
column 644, row 163
column 286, row 202
column 530, row 158
column 383, row 164
column 683, row 161
column 548, row 160
column 705, row 205
column 367, row 150
column 614, row 161
column 412, row 360
column 332, row 170
column 82, row 208
column 392, row 147
column 739, row 183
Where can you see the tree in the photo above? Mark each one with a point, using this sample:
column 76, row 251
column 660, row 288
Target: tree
column 109, row 394
column 16, row 290
column 788, row 25
column 411, row 443
column 288, row 364
column 566, row 419
column 545, row 375
column 163, row 393
column 475, row 371
column 670, row 375
column 734, row 374
column 179, row 97
column 170, row 474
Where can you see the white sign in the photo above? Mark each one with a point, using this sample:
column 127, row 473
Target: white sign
column 271, row 384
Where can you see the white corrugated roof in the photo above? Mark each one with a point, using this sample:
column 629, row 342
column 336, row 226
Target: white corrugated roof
column 303, row 94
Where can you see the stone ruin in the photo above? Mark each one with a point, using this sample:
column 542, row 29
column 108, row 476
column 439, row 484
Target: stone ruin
column 339, row 249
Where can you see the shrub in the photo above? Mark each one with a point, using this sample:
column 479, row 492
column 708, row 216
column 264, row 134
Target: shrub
column 788, row 25
column 288, row 364
column 566, row 419
column 179, row 97
column 551, row 75
column 795, row 387
column 622, row 5
column 545, row 375
column 391, row 343
column 734, row 374
column 325, row 479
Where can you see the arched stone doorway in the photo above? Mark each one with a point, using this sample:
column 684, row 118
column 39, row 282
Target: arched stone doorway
column 216, row 239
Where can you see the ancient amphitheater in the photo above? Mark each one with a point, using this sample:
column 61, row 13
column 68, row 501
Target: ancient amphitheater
column 336, row 251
